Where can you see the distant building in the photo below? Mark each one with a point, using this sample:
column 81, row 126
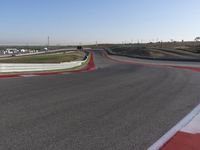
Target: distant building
column 46, row 49
column 4, row 52
column 33, row 51
column 23, row 51
column 14, row 51
column 11, row 51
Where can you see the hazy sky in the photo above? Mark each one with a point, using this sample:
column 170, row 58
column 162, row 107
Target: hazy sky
column 105, row 21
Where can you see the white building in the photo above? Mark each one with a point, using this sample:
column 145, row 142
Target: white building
column 23, row 51
column 4, row 52
column 11, row 51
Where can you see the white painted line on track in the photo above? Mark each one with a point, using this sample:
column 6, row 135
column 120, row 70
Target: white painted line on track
column 165, row 138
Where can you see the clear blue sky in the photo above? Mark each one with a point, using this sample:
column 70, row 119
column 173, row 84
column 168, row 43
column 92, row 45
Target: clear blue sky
column 105, row 21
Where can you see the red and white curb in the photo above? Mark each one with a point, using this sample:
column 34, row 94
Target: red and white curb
column 184, row 136
column 90, row 67
column 196, row 69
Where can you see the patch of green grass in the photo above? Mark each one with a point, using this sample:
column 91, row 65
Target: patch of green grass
column 45, row 58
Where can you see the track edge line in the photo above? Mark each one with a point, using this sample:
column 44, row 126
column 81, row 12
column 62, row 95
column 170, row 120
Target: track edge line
column 165, row 138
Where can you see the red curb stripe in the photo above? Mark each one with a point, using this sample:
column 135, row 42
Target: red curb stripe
column 10, row 76
column 183, row 141
column 47, row 73
column 90, row 66
column 181, row 127
column 188, row 68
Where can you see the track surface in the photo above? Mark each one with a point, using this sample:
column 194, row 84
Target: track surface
column 117, row 107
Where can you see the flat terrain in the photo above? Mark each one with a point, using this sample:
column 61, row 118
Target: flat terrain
column 45, row 58
column 117, row 107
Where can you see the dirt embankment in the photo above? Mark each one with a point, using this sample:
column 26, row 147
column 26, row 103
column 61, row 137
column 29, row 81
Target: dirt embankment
column 153, row 53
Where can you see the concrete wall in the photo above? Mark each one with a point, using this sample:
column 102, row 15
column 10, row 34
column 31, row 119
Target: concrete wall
column 38, row 67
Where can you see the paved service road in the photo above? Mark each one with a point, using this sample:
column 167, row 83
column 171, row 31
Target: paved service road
column 117, row 107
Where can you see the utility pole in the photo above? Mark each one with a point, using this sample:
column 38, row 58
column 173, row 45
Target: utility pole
column 48, row 41
column 96, row 43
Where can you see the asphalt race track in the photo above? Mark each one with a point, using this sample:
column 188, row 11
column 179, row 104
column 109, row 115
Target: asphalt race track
column 119, row 106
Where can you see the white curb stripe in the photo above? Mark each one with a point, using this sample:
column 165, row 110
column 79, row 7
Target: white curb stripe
column 194, row 126
column 175, row 129
column 28, row 75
